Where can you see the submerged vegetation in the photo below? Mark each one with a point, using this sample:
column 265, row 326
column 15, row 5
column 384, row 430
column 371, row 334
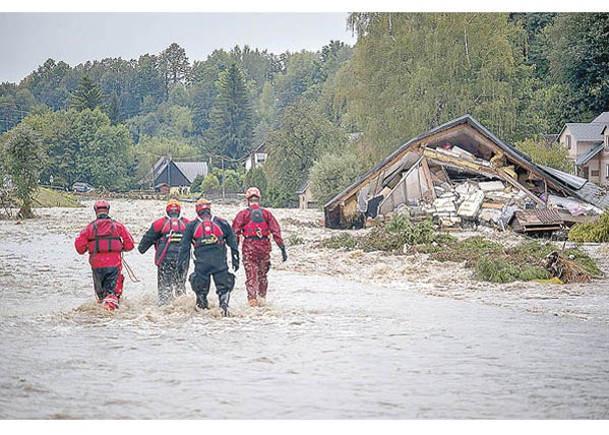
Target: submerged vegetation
column 390, row 238
column 591, row 232
column 490, row 261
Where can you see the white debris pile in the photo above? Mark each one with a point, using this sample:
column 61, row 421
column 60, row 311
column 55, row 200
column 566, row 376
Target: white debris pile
column 470, row 203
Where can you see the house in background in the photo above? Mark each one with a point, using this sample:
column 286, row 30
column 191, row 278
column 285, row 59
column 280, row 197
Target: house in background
column 588, row 145
column 256, row 158
column 305, row 198
column 167, row 173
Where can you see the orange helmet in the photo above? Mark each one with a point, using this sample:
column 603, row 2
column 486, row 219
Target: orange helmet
column 202, row 204
column 173, row 206
column 101, row 207
column 252, row 191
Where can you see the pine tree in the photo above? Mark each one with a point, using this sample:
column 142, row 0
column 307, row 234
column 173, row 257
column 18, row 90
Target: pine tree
column 231, row 116
column 87, row 96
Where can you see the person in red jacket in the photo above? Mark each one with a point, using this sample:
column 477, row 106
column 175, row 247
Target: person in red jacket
column 255, row 225
column 166, row 234
column 105, row 239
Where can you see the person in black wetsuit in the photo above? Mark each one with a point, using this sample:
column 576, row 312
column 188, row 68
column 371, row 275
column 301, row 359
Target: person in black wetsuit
column 209, row 235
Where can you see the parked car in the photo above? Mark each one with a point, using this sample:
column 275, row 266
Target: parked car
column 82, row 187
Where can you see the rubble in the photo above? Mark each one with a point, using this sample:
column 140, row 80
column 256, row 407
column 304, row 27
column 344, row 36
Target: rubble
column 464, row 177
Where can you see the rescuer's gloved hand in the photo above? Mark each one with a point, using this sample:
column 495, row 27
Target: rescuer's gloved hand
column 235, row 260
column 284, row 255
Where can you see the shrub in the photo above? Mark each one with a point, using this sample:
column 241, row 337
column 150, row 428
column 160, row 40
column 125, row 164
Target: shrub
column 591, row 232
column 295, row 240
column 210, row 183
column 332, row 173
column 501, row 269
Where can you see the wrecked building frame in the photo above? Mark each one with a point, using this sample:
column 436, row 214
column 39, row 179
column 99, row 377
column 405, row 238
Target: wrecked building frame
column 462, row 175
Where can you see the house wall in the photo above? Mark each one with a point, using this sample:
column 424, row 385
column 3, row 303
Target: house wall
column 248, row 163
column 562, row 139
column 255, row 160
column 604, row 167
column 576, row 149
column 305, row 200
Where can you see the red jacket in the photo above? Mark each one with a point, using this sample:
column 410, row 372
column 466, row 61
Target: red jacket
column 243, row 218
column 86, row 241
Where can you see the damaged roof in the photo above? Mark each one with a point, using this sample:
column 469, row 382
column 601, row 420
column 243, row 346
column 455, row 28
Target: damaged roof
column 465, row 119
column 461, row 146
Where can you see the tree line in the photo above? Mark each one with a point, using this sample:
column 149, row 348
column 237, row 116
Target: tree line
column 326, row 115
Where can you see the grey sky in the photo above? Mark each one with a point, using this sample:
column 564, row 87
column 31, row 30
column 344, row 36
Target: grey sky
column 28, row 39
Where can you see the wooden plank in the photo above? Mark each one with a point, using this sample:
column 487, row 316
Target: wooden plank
column 430, row 194
column 492, row 205
column 516, row 184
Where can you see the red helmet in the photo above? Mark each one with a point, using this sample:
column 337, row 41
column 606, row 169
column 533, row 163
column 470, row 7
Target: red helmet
column 202, row 204
column 101, row 207
column 173, row 206
column 252, row 191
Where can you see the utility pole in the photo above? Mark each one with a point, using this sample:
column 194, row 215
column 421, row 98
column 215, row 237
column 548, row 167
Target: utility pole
column 223, row 194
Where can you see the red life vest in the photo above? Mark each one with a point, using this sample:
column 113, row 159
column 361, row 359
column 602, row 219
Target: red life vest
column 104, row 237
column 256, row 228
column 208, row 233
column 172, row 232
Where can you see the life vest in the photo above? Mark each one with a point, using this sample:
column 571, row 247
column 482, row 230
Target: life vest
column 104, row 237
column 256, row 228
column 208, row 233
column 172, row 232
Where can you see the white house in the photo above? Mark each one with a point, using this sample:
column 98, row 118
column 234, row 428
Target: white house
column 588, row 145
column 256, row 158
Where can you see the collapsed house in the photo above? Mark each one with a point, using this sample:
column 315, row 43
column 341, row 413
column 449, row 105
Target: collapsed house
column 463, row 176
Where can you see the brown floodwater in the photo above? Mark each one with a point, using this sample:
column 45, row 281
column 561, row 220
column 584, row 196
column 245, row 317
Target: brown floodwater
column 345, row 335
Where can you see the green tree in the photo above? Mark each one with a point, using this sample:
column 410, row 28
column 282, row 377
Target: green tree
column 57, row 131
column 256, row 177
column 174, row 65
column 229, row 179
column 210, row 184
column 195, row 187
column 231, row 116
column 87, row 96
column 541, row 152
column 414, row 71
column 148, row 84
column 108, row 160
column 303, row 136
column 578, row 56
column 332, row 173
column 302, row 77
column 52, row 83
column 113, row 109
column 23, row 159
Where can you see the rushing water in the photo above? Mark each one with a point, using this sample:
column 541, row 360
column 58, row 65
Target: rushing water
column 325, row 347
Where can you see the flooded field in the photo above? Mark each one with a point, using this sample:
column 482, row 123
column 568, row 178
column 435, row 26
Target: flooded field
column 345, row 335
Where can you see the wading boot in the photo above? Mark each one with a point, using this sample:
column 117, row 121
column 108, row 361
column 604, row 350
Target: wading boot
column 224, row 298
column 110, row 303
column 201, row 303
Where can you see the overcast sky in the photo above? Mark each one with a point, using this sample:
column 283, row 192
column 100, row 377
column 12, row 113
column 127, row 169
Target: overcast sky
column 76, row 31
column 28, row 39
